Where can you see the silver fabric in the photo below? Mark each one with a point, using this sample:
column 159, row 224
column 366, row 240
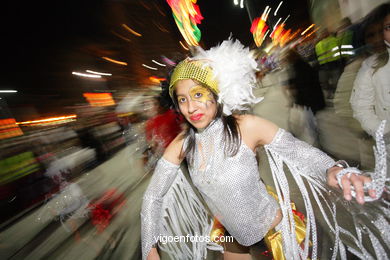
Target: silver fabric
column 231, row 186
column 308, row 165
column 310, row 160
column 151, row 212
column 304, row 162
column 235, row 195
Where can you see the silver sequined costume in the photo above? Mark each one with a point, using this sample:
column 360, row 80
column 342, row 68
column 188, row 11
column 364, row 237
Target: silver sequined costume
column 231, row 186
column 234, row 193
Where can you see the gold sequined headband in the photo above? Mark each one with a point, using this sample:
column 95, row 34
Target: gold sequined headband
column 196, row 70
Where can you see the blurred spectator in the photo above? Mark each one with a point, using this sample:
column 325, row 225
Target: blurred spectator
column 345, row 40
column 329, row 60
column 161, row 129
column 372, row 41
column 370, row 98
column 304, row 85
column 371, row 94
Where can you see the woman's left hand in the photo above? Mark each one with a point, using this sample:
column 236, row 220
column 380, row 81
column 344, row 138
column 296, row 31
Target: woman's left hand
column 354, row 180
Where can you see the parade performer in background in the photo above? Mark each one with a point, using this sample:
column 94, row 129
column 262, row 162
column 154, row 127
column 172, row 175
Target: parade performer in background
column 161, row 129
column 212, row 90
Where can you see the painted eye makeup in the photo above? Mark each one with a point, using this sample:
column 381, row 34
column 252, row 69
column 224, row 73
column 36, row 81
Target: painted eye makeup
column 200, row 93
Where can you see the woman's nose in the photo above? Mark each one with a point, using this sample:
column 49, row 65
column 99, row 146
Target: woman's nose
column 191, row 106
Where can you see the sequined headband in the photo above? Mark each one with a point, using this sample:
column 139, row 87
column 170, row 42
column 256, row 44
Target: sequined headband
column 193, row 69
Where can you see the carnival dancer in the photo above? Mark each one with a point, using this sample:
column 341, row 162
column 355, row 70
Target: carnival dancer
column 212, row 90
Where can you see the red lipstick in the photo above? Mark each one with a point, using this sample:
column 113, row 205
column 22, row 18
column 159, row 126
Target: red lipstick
column 196, row 117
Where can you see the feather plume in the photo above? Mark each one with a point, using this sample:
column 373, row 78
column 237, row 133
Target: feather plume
column 234, row 67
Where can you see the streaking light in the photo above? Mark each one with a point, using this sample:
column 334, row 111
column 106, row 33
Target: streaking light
column 131, row 30
column 86, row 75
column 121, row 36
column 285, row 20
column 99, row 73
column 308, row 28
column 184, row 47
column 50, row 119
column 259, row 27
column 348, row 52
column 148, row 67
column 8, row 91
column 346, row 46
column 265, row 35
column 277, row 22
column 277, row 9
column 99, row 99
column 307, row 36
column 269, row 10
column 263, row 16
column 168, row 61
column 187, row 15
column 156, row 80
column 235, row 2
column 158, row 63
column 9, row 128
column 115, row 61
column 242, row 4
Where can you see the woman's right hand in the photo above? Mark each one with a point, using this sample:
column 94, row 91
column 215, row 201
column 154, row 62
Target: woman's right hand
column 153, row 255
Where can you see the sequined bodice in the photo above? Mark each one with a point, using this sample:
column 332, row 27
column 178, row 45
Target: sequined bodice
column 231, row 186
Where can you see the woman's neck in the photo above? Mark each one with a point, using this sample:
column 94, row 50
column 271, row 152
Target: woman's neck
column 201, row 130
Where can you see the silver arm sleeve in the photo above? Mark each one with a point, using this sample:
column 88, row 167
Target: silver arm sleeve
column 310, row 160
column 151, row 212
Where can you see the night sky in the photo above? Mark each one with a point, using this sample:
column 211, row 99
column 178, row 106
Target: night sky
column 37, row 35
column 221, row 20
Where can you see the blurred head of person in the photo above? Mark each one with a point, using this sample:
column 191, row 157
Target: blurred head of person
column 373, row 28
column 379, row 18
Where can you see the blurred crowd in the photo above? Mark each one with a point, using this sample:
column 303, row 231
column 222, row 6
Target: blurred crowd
column 331, row 90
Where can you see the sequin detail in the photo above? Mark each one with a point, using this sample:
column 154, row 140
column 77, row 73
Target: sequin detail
column 151, row 212
column 231, row 186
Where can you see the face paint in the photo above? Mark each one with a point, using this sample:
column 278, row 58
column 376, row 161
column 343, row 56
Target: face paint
column 196, row 103
column 200, row 93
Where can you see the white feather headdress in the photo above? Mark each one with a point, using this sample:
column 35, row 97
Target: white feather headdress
column 234, row 68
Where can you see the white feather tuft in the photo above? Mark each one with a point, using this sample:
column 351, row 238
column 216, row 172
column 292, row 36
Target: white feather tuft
column 234, row 67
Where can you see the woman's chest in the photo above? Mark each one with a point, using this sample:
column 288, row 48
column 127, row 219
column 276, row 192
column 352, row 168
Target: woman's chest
column 229, row 173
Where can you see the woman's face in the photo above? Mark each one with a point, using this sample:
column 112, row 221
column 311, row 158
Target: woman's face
column 386, row 28
column 196, row 103
column 374, row 37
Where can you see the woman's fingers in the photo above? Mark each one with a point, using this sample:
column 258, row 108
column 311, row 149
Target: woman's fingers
column 357, row 182
column 349, row 181
column 346, row 186
column 331, row 176
column 371, row 192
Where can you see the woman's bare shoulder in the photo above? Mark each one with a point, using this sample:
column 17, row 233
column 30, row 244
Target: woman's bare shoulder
column 255, row 128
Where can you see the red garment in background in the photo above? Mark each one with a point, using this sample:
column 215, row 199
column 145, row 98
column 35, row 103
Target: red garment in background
column 163, row 128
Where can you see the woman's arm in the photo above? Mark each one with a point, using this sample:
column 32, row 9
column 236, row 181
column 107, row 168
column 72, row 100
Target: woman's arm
column 256, row 131
column 162, row 179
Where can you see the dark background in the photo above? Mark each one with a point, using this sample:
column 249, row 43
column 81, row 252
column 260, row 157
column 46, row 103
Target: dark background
column 43, row 41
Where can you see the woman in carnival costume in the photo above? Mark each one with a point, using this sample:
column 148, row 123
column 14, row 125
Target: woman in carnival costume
column 211, row 90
